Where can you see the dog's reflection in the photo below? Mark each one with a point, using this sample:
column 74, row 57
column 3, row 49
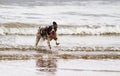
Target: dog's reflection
column 47, row 64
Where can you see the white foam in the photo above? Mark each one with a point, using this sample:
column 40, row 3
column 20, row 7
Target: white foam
column 21, row 31
column 81, row 30
column 90, row 31
column 2, row 30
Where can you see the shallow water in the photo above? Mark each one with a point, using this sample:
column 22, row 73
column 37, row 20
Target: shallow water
column 61, row 62
column 66, row 41
column 76, row 55
column 60, row 67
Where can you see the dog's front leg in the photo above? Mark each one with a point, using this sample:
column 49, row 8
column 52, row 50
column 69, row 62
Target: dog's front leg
column 57, row 43
column 56, row 39
column 48, row 41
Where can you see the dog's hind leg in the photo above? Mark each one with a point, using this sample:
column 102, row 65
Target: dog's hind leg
column 48, row 42
column 38, row 36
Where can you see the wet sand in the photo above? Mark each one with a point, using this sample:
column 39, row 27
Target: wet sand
column 59, row 67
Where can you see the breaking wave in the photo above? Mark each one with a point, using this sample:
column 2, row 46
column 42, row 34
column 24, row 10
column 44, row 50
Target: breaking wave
column 60, row 48
column 31, row 29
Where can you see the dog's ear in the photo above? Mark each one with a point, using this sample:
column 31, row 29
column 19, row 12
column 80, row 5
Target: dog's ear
column 54, row 23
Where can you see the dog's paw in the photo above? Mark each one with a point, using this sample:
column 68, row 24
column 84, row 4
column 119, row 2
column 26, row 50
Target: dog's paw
column 57, row 43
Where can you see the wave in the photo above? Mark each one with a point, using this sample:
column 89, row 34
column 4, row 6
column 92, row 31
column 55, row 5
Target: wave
column 90, row 70
column 60, row 48
column 56, row 2
column 89, row 15
column 90, row 30
column 20, row 52
column 43, row 3
column 31, row 29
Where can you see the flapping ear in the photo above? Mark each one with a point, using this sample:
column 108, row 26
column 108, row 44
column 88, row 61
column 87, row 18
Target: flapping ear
column 54, row 23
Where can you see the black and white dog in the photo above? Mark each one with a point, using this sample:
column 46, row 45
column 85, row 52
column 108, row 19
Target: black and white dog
column 47, row 33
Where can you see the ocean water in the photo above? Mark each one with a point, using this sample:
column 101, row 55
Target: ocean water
column 66, row 12
column 84, row 16
column 88, row 32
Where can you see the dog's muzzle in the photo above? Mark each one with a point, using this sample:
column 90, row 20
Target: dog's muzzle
column 52, row 33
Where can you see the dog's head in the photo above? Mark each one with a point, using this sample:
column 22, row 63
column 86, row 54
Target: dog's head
column 53, row 28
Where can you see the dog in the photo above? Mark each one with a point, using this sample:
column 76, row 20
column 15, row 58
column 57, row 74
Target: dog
column 47, row 33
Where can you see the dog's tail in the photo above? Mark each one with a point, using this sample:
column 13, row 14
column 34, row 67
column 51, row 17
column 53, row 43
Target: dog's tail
column 39, row 30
